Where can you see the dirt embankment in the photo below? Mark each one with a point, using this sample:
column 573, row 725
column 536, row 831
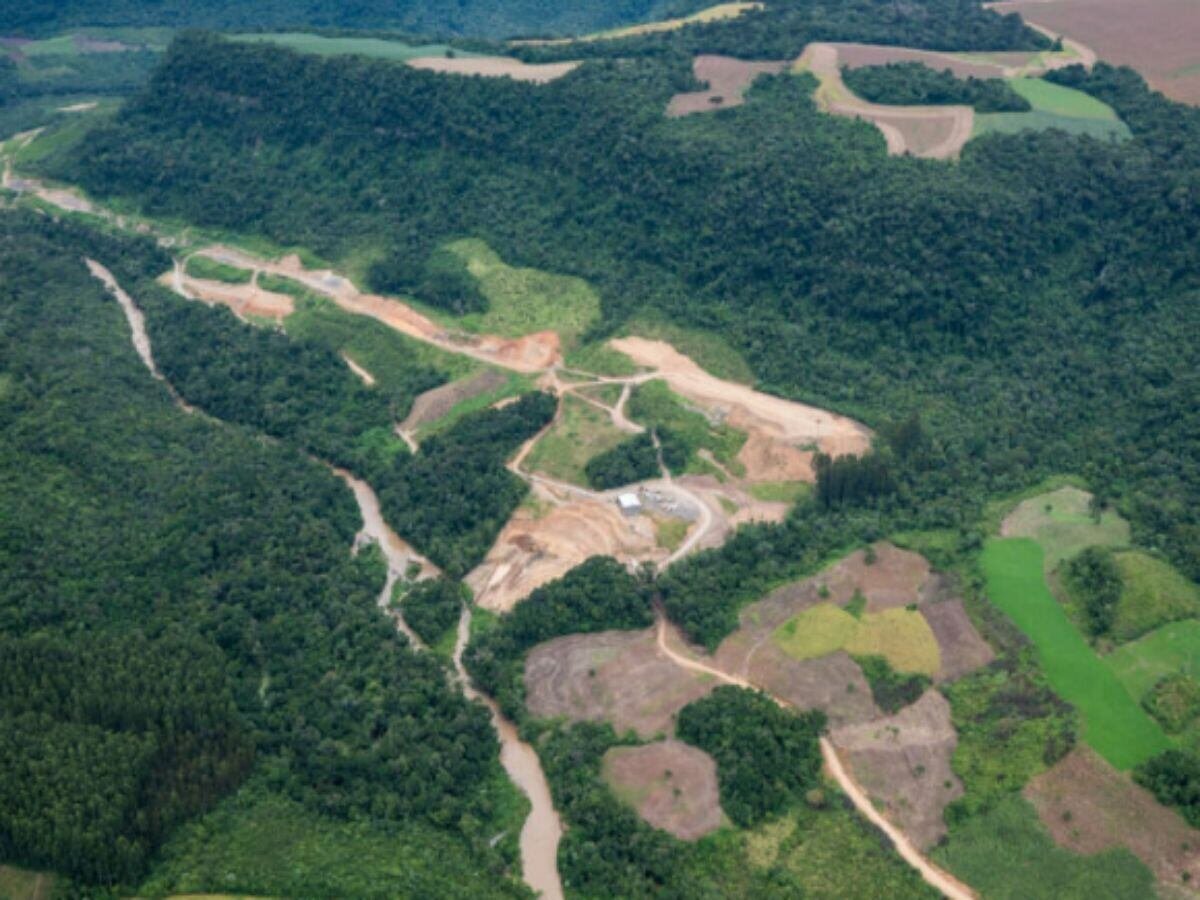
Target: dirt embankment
column 727, row 80
column 494, row 67
column 246, row 300
column 434, row 404
column 781, row 433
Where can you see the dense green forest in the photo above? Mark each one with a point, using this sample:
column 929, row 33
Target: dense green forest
column 432, row 607
column 220, row 565
column 488, row 18
column 915, row 84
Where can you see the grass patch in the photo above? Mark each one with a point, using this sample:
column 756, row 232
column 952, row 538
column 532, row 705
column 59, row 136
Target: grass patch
column 1054, row 106
column 707, row 349
column 669, row 533
column 780, row 491
column 376, row 48
column 900, row 636
column 25, row 884
column 654, row 405
column 1058, row 100
column 1153, row 594
column 1174, row 702
column 1063, row 523
column 581, row 432
column 1172, row 649
column 608, row 394
column 257, row 843
column 600, row 359
column 212, row 270
column 1114, row 725
column 522, row 301
column 515, row 385
column 1007, row 854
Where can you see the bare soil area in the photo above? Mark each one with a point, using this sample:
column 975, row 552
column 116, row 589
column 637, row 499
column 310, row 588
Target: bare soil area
column 962, row 649
column 432, row 405
column 855, row 56
column 778, row 430
column 672, row 785
column 620, row 677
column 494, row 67
column 1159, row 38
column 1088, row 806
column 727, row 80
column 244, row 299
column 532, row 550
column 903, row 762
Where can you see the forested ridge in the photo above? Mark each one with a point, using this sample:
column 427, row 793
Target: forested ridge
column 178, row 600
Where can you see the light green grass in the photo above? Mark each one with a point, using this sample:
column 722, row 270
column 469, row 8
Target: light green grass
column 901, row 636
column 780, row 491
column 654, row 405
column 708, row 350
column 1168, row 650
column 600, row 359
column 1062, row 522
column 1153, row 594
column 210, row 269
column 581, row 432
column 1054, row 106
column 1007, row 854
column 521, row 300
column 1114, row 724
column 608, row 394
column 301, row 42
column 669, row 533
column 25, row 884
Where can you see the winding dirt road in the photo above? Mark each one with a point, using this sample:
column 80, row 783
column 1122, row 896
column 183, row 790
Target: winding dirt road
column 933, row 875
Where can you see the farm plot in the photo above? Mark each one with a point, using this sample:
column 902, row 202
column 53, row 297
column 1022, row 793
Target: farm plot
column 1114, row 724
column 960, row 647
column 1172, row 649
column 620, row 677
column 1088, row 807
column 672, row 785
column 903, row 762
column 1159, row 38
column 437, row 403
column 902, row 637
column 727, row 80
column 1153, row 593
column 580, row 432
column 1054, row 106
column 1062, row 522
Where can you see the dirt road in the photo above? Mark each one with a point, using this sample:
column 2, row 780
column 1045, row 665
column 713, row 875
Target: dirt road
column 934, row 876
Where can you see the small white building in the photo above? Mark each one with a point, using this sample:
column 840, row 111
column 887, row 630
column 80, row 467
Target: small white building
column 629, row 504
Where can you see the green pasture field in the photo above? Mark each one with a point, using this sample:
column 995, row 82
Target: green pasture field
column 1054, row 106
column 1062, row 523
column 212, row 270
column 1170, row 649
column 1114, row 724
column 780, row 491
column 377, row 48
column 1007, row 854
column 1154, row 593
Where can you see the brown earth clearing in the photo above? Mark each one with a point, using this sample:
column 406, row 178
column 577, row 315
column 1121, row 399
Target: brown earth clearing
column 903, row 762
column 856, row 56
column 727, row 80
column 962, row 649
column 432, row 405
column 620, row 677
column 494, row 67
column 711, row 14
column 1159, row 38
column 532, row 550
column 245, row 300
column 672, row 785
column 778, row 430
column 1088, row 806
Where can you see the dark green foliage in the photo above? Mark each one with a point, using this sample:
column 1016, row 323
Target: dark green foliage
column 299, row 392
column 1174, row 778
column 106, row 746
column 597, row 595
column 451, row 498
column 443, row 282
column 120, row 513
column 634, row 459
column 851, row 480
column 915, row 84
column 1093, row 577
column 9, row 83
column 767, row 757
column 892, row 690
column 432, row 607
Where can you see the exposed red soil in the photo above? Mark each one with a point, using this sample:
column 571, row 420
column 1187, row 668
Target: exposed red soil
column 1159, row 38
column 619, row 677
column 727, row 80
column 903, row 762
column 672, row 785
column 433, row 405
column 1088, row 806
column 962, row 649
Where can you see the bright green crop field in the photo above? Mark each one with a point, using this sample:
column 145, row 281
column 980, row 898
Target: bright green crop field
column 1114, row 724
column 1054, row 106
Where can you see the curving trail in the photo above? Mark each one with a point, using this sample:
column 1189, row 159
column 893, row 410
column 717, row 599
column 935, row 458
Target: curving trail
column 933, row 875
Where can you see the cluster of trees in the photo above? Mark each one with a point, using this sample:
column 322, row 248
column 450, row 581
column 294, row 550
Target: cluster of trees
column 452, row 497
column 891, row 690
column 851, row 480
column 915, row 84
column 1094, row 579
column 1174, row 778
column 634, row 459
column 596, row 595
column 442, row 281
column 767, row 757
column 105, row 746
column 432, row 607
column 122, row 513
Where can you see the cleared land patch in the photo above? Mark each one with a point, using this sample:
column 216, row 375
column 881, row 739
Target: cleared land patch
column 619, row 677
column 580, row 432
column 727, row 79
column 711, row 14
column 961, row 648
column 903, row 762
column 1153, row 593
column 1054, row 106
column 1063, row 522
column 377, row 48
column 672, row 785
column 1174, row 648
column 1088, row 807
column 1114, row 724
column 900, row 636
column 494, row 67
